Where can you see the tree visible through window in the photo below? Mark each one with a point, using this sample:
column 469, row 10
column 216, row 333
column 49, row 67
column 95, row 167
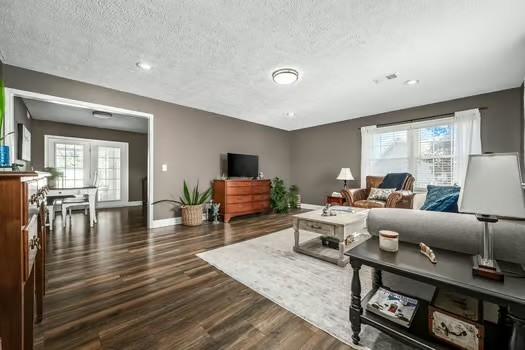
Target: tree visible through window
column 69, row 161
column 434, row 156
column 109, row 173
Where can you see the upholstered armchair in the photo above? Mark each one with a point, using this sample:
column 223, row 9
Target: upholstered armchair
column 399, row 199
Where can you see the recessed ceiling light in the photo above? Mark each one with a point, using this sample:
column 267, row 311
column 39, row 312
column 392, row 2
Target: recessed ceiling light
column 290, row 114
column 144, row 65
column 285, row 76
column 102, row 115
column 412, row 82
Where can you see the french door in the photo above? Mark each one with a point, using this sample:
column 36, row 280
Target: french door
column 86, row 162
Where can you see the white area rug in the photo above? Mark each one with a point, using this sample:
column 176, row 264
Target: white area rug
column 316, row 291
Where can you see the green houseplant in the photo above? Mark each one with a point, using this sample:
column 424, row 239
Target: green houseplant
column 294, row 199
column 4, row 150
column 191, row 204
column 54, row 174
column 279, row 196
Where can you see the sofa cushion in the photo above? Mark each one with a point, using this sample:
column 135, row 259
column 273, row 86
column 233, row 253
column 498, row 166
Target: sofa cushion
column 394, row 180
column 456, row 232
column 442, row 198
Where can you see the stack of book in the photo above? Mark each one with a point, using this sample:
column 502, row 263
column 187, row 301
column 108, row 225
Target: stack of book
column 393, row 306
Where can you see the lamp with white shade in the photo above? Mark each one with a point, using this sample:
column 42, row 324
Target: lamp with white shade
column 492, row 191
column 345, row 174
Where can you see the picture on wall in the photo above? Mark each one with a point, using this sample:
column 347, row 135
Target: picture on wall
column 24, row 143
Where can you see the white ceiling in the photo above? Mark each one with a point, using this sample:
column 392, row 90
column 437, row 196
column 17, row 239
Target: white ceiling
column 218, row 55
column 82, row 116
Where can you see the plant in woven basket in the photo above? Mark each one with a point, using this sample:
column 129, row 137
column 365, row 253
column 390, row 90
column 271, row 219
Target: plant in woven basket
column 191, row 204
column 293, row 197
column 279, row 196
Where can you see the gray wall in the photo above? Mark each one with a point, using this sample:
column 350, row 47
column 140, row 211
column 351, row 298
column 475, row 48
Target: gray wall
column 137, row 147
column 20, row 112
column 319, row 153
column 190, row 141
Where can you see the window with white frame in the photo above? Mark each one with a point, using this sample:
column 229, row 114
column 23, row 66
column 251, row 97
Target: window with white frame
column 108, row 173
column 87, row 162
column 69, row 161
column 424, row 149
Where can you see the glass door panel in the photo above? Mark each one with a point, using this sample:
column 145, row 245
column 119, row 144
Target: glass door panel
column 108, row 170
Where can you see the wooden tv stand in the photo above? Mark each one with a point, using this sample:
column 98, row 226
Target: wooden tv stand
column 242, row 197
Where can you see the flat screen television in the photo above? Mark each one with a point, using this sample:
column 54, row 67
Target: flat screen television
column 243, row 165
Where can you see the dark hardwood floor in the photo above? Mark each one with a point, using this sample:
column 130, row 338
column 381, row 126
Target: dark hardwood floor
column 120, row 286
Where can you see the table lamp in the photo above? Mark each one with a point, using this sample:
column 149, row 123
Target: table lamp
column 492, row 190
column 345, row 174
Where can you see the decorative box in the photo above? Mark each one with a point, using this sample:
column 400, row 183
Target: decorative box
column 455, row 330
column 330, row 242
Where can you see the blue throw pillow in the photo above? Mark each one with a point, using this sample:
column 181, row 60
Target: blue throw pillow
column 442, row 198
column 394, row 180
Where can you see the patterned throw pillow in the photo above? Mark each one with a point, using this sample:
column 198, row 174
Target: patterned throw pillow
column 380, row 194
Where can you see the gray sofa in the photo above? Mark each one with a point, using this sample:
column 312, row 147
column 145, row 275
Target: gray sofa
column 457, row 232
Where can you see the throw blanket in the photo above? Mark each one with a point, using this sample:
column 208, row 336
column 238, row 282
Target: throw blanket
column 394, row 180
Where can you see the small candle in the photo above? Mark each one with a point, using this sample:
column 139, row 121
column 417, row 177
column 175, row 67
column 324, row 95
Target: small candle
column 389, row 240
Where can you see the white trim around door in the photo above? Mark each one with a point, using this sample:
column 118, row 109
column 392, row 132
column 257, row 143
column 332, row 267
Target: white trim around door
column 10, row 95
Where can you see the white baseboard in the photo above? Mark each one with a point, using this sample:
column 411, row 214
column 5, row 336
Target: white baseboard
column 178, row 220
column 170, row 221
column 311, row 206
column 166, row 222
column 105, row 205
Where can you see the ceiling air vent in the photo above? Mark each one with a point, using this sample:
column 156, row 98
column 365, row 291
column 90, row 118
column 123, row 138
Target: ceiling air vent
column 390, row 76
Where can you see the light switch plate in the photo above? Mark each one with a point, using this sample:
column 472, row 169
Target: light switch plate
column 164, row 167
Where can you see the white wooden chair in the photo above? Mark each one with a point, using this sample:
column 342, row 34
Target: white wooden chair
column 77, row 202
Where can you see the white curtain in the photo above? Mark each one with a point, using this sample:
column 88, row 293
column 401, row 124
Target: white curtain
column 366, row 142
column 467, row 140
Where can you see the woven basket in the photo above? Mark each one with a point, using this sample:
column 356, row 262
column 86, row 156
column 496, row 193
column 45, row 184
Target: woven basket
column 192, row 215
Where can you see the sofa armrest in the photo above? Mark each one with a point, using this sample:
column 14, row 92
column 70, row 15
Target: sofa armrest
column 353, row 195
column 400, row 199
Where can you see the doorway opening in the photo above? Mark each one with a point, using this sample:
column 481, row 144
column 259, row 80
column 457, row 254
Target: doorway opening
column 85, row 144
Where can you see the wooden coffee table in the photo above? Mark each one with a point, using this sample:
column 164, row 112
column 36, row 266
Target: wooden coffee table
column 349, row 228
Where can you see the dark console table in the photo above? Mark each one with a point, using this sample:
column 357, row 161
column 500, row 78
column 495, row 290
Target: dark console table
column 453, row 272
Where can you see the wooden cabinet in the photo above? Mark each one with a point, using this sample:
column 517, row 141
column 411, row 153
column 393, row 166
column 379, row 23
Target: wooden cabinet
column 23, row 232
column 335, row 200
column 242, row 197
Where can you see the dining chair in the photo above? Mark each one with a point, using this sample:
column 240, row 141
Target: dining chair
column 77, row 202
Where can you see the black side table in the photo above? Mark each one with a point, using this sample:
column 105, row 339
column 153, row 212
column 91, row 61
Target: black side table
column 453, row 272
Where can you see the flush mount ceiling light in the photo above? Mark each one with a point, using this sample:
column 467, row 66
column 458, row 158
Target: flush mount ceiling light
column 412, row 82
column 144, row 65
column 102, row 115
column 285, row 76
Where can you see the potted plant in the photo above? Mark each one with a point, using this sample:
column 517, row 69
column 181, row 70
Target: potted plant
column 279, row 196
column 294, row 198
column 191, row 204
column 54, row 174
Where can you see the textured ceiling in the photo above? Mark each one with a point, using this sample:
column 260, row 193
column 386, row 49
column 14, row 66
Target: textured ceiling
column 82, row 116
column 218, row 55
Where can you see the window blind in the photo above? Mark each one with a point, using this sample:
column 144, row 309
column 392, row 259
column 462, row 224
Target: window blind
column 424, row 149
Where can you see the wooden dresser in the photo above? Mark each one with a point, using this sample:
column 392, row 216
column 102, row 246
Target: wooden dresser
column 23, row 233
column 242, row 197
